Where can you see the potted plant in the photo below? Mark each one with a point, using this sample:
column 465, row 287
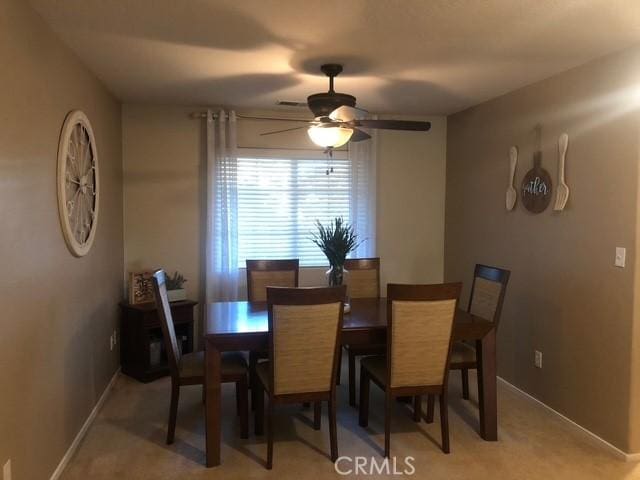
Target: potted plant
column 336, row 241
column 175, row 287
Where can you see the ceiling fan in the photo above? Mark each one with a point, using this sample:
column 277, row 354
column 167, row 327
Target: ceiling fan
column 338, row 120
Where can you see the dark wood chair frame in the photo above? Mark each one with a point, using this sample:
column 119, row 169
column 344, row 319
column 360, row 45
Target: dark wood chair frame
column 493, row 274
column 300, row 296
column 354, row 351
column 447, row 291
column 292, row 265
column 173, row 359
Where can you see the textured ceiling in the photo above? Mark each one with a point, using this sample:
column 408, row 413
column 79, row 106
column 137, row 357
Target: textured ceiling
column 400, row 56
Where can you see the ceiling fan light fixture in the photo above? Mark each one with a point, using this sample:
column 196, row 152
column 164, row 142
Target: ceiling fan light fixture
column 329, row 137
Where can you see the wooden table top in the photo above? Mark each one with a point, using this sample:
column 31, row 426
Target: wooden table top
column 237, row 318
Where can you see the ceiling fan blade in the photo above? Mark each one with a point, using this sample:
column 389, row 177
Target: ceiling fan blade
column 359, row 135
column 346, row 113
column 282, row 131
column 394, row 124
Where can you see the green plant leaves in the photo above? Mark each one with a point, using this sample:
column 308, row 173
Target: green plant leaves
column 336, row 240
column 175, row 282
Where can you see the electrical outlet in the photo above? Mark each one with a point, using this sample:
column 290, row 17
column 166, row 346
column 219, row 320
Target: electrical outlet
column 537, row 360
column 111, row 342
column 115, row 337
column 621, row 254
column 6, row 470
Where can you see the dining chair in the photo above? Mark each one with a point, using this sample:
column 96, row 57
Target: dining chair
column 419, row 332
column 485, row 301
column 260, row 275
column 363, row 281
column 300, row 370
column 270, row 273
column 188, row 369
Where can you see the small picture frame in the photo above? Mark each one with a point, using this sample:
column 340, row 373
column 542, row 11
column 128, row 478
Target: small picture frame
column 140, row 287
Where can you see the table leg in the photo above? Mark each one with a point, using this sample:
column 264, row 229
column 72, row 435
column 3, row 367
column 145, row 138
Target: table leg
column 487, row 395
column 212, row 404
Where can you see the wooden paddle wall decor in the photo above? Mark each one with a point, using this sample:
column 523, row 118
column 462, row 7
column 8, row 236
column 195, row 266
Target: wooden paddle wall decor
column 536, row 187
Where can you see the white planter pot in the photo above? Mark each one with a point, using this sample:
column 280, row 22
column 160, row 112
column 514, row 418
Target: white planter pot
column 177, row 295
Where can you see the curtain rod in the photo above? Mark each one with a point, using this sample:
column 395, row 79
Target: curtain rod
column 197, row 115
column 320, row 149
column 250, row 117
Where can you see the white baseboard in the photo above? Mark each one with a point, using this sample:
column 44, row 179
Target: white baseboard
column 83, row 431
column 627, row 457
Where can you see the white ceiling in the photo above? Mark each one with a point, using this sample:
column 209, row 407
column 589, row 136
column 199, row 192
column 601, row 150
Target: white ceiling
column 400, row 56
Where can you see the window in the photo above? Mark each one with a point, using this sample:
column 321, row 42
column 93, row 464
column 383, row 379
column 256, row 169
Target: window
column 280, row 197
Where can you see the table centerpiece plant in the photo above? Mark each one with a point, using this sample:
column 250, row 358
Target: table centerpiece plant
column 336, row 241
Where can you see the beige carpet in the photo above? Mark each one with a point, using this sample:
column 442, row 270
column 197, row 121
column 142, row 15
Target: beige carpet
column 127, row 441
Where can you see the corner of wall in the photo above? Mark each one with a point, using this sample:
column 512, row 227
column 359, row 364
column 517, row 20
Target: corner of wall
column 634, row 389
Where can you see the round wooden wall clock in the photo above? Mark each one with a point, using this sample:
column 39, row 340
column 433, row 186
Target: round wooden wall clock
column 78, row 185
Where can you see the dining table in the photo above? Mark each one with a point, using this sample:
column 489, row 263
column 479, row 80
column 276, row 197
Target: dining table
column 243, row 326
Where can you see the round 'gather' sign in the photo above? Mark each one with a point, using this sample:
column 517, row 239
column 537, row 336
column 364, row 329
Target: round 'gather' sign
column 536, row 187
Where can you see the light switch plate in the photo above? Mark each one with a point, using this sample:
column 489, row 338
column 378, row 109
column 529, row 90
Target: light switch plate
column 6, row 470
column 621, row 254
column 537, row 359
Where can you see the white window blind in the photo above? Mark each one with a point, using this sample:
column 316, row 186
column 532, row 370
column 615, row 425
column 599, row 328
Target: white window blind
column 281, row 196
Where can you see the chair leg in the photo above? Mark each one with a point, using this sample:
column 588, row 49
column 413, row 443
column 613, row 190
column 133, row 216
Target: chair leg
column 317, row 415
column 333, row 432
column 339, row 373
column 417, row 408
column 269, row 433
column 257, row 395
column 444, row 421
column 242, row 394
column 253, row 378
column 238, row 395
column 465, row 383
column 364, row 398
column 352, row 379
column 430, row 407
column 173, row 412
column 387, row 424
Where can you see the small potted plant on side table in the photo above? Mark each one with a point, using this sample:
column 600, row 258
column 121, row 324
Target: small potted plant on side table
column 175, row 287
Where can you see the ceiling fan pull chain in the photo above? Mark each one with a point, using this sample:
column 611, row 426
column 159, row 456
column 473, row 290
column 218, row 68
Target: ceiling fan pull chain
column 329, row 153
column 327, row 169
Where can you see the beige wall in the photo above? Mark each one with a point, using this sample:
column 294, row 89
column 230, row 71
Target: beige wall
column 58, row 311
column 565, row 296
column 163, row 151
column 411, row 194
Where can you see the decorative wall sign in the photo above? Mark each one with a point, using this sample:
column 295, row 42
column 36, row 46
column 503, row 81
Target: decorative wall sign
column 140, row 287
column 536, row 187
column 78, row 185
column 511, row 191
column 562, row 192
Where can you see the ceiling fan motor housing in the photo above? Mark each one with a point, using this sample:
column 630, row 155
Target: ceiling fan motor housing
column 322, row 104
